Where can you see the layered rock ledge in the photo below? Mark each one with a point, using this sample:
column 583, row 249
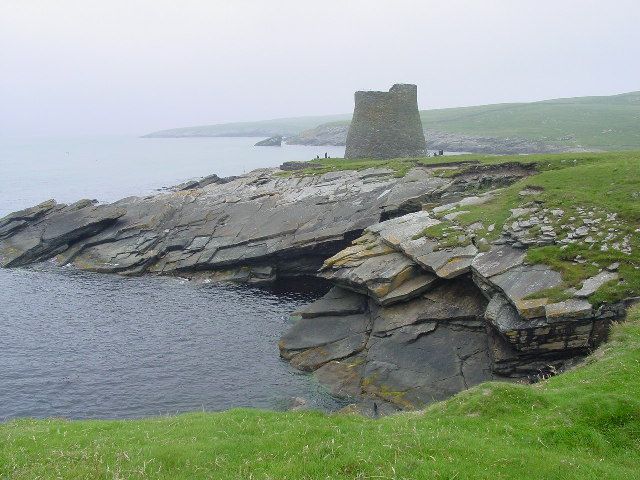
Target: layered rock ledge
column 410, row 318
column 412, row 321
column 255, row 228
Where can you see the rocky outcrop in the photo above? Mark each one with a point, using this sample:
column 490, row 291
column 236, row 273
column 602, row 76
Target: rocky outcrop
column 440, row 317
column 410, row 318
column 254, row 228
column 386, row 125
column 325, row 134
column 49, row 228
column 407, row 354
column 270, row 142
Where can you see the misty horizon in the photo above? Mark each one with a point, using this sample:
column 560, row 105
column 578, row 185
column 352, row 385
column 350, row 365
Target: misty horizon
column 93, row 68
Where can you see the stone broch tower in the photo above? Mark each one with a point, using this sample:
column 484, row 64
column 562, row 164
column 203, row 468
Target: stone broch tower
column 386, row 125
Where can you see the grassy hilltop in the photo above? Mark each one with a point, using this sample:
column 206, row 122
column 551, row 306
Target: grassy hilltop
column 601, row 123
column 584, row 424
column 592, row 123
column 262, row 128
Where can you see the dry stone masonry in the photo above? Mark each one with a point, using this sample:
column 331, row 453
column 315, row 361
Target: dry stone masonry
column 386, row 125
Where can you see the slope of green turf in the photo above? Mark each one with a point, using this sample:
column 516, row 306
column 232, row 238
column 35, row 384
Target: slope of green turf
column 605, row 183
column 606, row 123
column 595, row 123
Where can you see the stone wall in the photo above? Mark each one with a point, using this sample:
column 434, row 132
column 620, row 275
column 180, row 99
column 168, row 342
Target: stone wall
column 386, row 124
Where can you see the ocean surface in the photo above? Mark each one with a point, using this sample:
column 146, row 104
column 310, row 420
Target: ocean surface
column 82, row 345
column 109, row 168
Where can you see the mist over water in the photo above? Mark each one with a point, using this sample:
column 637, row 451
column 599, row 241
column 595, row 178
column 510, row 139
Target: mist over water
column 109, row 168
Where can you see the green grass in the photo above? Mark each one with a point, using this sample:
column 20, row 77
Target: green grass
column 605, row 182
column 584, row 424
column 601, row 123
column 399, row 165
column 599, row 182
column 606, row 123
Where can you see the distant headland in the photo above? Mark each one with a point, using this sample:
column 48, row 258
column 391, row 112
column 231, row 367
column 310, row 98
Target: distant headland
column 602, row 123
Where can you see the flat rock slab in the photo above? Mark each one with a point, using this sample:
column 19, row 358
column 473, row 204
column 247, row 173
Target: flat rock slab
column 45, row 237
column 497, row 260
column 448, row 262
column 399, row 230
column 261, row 219
column 591, row 285
column 378, row 276
column 414, row 367
column 411, row 288
column 316, row 332
column 524, row 280
column 29, row 214
column 573, row 309
column 337, row 302
column 313, row 358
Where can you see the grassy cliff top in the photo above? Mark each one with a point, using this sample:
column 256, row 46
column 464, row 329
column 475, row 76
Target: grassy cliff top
column 599, row 192
column 584, row 424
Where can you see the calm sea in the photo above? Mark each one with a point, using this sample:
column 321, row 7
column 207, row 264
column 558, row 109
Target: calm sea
column 81, row 345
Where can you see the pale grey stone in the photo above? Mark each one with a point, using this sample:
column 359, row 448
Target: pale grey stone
column 591, row 285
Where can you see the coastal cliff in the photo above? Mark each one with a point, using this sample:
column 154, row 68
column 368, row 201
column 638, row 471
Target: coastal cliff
column 444, row 273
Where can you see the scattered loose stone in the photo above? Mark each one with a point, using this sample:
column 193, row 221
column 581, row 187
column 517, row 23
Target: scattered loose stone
column 591, row 285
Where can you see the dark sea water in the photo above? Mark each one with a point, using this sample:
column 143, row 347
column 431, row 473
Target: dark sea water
column 82, row 345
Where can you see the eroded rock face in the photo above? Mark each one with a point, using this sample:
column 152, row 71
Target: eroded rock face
column 254, row 228
column 408, row 354
column 386, row 125
column 441, row 319
column 48, row 229
column 410, row 319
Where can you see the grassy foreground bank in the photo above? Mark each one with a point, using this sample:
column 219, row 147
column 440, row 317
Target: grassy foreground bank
column 584, row 424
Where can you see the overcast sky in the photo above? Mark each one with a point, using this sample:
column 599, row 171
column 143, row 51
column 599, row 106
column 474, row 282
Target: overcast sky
column 133, row 66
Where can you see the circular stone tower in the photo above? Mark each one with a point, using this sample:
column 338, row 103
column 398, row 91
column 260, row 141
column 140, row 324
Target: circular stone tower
column 386, row 124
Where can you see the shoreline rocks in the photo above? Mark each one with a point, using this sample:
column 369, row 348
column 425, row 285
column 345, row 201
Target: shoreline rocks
column 410, row 319
column 255, row 228
column 464, row 317
column 270, row 142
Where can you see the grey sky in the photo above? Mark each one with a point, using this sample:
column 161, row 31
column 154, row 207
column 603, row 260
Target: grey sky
column 132, row 66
